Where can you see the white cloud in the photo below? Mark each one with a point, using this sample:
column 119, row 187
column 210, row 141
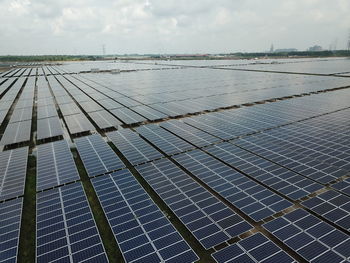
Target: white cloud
column 171, row 26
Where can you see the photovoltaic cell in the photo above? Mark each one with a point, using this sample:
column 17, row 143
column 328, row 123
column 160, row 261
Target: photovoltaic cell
column 127, row 116
column 16, row 132
column 310, row 237
column 48, row 128
column 142, row 231
column 23, row 114
column 278, row 178
column 164, row 140
column 10, row 218
column 133, row 147
column 189, row 133
column 149, row 113
column 253, row 199
column 66, row 230
column 255, row 248
column 46, row 111
column 207, row 218
column 97, row 156
column 333, row 206
column 13, row 169
column 55, row 165
column 104, row 119
column 78, row 123
column 69, row 109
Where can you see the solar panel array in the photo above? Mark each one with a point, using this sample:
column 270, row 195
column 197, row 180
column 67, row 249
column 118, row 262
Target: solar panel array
column 66, row 229
column 255, row 248
column 253, row 199
column 142, row 231
column 10, row 218
column 97, row 156
column 13, row 169
column 310, row 237
column 164, row 140
column 248, row 166
column 133, row 147
column 208, row 219
column 55, row 165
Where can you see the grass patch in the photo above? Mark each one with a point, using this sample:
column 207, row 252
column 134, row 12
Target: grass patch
column 26, row 252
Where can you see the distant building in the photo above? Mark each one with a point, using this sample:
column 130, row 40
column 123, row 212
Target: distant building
column 271, row 48
column 315, row 48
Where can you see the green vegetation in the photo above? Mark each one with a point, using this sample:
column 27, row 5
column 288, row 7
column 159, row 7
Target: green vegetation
column 325, row 53
column 46, row 58
column 237, row 55
column 26, row 252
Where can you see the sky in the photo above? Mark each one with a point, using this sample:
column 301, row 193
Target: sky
column 37, row 27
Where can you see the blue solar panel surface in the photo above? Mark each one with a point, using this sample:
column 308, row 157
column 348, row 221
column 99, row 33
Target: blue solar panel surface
column 208, row 219
column 133, row 147
column 253, row 199
column 278, row 178
column 97, row 156
column 142, row 231
column 13, row 169
column 255, row 248
column 55, row 165
column 66, row 230
column 310, row 237
column 164, row 140
column 10, row 223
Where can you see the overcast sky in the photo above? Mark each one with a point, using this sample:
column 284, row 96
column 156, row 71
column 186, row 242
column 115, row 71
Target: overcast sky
column 170, row 26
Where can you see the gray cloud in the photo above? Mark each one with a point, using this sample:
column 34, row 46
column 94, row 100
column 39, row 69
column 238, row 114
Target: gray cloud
column 169, row 26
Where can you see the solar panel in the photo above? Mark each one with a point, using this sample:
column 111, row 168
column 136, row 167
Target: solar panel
column 66, row 230
column 25, row 103
column 69, row 109
column 189, row 133
column 48, row 128
column 127, row 116
column 343, row 186
column 311, row 238
column 333, row 206
column 278, row 178
column 10, row 218
column 213, row 130
column 78, row 123
column 16, row 132
column 128, row 102
column 253, row 199
column 110, row 104
column 64, row 99
column 303, row 165
column 45, row 101
column 23, row 114
column 13, row 169
column 207, row 218
column 255, row 248
column 46, row 111
column 164, row 140
column 90, row 106
column 149, row 113
column 104, row 119
column 97, row 156
column 133, row 147
column 3, row 114
column 142, row 231
column 55, row 165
